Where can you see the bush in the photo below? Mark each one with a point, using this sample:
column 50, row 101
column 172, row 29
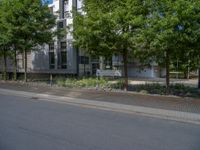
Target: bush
column 60, row 81
column 149, row 88
column 118, row 85
column 70, row 83
column 175, row 89
column 82, row 83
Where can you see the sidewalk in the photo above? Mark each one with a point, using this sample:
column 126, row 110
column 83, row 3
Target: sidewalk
column 127, row 98
column 186, row 117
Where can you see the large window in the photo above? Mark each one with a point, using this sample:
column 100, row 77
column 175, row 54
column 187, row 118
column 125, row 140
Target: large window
column 51, row 60
column 63, row 48
column 64, row 60
column 61, row 24
column 51, row 56
column 84, row 60
column 51, row 47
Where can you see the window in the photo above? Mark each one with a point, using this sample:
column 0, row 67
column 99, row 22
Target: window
column 51, row 60
column 51, row 47
column 95, row 59
column 64, row 59
column 84, row 60
column 60, row 24
column 63, row 53
column 51, row 56
column 63, row 46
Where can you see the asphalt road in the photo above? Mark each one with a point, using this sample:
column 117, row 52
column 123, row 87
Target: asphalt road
column 31, row 124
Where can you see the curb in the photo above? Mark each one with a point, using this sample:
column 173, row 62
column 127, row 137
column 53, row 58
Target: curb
column 109, row 106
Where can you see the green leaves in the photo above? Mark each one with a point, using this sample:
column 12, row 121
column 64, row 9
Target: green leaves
column 24, row 25
column 154, row 29
column 108, row 26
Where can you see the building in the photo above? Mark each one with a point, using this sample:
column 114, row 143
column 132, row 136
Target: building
column 60, row 57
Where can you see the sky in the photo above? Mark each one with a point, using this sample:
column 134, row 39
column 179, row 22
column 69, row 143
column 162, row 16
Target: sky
column 48, row 1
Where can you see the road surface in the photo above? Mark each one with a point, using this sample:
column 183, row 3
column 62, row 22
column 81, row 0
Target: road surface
column 33, row 124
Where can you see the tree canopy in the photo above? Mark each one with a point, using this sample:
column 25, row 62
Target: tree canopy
column 171, row 32
column 109, row 27
column 26, row 24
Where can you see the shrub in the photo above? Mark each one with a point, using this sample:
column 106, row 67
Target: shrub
column 175, row 89
column 82, row 83
column 118, row 85
column 60, row 81
column 155, row 88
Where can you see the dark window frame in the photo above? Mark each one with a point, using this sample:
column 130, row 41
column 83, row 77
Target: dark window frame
column 51, row 47
column 63, row 46
column 52, row 60
column 84, row 60
column 63, row 59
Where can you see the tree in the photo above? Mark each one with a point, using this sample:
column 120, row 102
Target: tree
column 5, row 35
column 189, row 14
column 110, row 27
column 171, row 29
column 33, row 23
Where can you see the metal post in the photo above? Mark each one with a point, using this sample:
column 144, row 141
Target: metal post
column 177, row 69
column 51, row 80
column 199, row 78
column 188, row 71
column 84, row 65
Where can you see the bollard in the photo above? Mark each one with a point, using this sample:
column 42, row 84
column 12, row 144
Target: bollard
column 51, row 80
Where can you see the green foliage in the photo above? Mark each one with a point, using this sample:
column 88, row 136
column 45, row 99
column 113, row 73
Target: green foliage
column 175, row 89
column 119, row 84
column 5, row 35
column 155, row 88
column 5, row 28
column 32, row 22
column 24, row 26
column 109, row 27
column 81, row 83
column 171, row 32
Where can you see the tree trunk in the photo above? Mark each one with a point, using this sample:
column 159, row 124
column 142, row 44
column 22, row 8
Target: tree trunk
column 15, row 66
column 185, row 74
column 125, row 59
column 188, row 72
column 167, row 65
column 25, row 66
column 4, row 65
column 199, row 78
